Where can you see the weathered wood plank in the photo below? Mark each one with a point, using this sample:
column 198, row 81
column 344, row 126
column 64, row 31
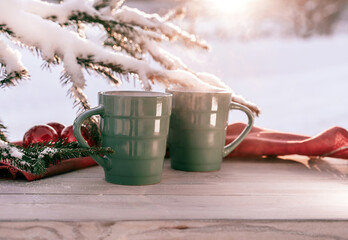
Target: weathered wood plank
column 213, row 188
column 131, row 207
column 174, row 230
column 245, row 189
column 235, row 178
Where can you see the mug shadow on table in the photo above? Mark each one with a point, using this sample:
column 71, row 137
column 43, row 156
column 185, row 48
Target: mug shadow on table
column 337, row 168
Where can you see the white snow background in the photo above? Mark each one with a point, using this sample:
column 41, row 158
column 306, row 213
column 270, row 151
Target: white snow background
column 300, row 85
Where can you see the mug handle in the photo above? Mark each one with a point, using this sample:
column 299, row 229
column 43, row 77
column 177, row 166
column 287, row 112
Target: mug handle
column 103, row 161
column 231, row 146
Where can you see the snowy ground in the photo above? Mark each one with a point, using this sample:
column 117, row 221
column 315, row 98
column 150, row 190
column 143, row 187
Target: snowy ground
column 300, row 85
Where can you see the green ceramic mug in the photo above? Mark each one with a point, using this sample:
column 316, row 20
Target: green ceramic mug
column 135, row 125
column 198, row 128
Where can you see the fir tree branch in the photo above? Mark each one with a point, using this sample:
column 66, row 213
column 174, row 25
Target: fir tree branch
column 112, row 4
column 47, row 64
column 37, row 157
column 107, row 70
column 2, row 132
column 12, row 78
column 11, row 67
column 76, row 93
column 156, row 23
column 173, row 14
column 5, row 29
column 119, row 42
column 106, row 23
column 118, row 34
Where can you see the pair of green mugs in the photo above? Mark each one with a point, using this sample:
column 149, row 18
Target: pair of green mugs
column 137, row 124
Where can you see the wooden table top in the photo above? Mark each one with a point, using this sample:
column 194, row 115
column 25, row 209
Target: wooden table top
column 267, row 190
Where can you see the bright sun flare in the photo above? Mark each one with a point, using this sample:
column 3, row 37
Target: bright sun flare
column 230, row 6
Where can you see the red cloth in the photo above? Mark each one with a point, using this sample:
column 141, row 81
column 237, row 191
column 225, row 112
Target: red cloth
column 333, row 142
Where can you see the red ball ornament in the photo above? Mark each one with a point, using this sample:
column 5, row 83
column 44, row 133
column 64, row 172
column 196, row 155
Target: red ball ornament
column 57, row 126
column 39, row 134
column 68, row 134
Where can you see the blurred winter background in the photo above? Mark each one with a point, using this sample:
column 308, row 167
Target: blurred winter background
column 289, row 57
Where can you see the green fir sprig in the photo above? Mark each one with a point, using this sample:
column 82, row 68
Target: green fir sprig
column 5, row 29
column 36, row 158
column 11, row 78
column 2, row 132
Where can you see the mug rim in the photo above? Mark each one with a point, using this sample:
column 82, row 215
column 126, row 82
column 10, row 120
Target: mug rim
column 134, row 93
column 195, row 90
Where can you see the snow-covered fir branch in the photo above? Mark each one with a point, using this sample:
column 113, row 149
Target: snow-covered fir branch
column 36, row 158
column 56, row 33
column 10, row 62
column 156, row 23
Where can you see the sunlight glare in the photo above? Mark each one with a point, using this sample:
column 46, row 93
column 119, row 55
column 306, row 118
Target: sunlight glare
column 230, row 6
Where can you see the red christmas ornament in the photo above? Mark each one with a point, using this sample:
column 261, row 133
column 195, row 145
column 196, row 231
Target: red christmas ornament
column 68, row 134
column 57, row 126
column 39, row 134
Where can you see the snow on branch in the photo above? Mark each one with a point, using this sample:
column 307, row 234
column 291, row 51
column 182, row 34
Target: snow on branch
column 155, row 23
column 11, row 67
column 175, row 14
column 58, row 12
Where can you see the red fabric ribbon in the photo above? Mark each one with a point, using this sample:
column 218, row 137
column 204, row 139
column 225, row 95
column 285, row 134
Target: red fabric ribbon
column 332, row 142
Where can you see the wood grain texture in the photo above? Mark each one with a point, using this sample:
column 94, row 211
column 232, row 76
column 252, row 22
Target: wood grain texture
column 176, row 230
column 245, row 189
